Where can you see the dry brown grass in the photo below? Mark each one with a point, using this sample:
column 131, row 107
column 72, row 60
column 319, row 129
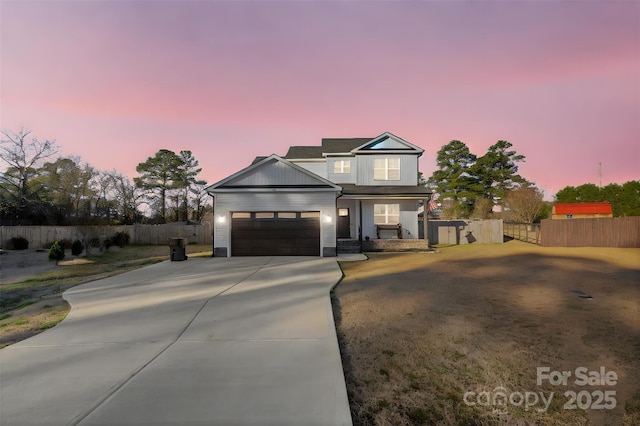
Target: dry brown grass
column 33, row 303
column 419, row 330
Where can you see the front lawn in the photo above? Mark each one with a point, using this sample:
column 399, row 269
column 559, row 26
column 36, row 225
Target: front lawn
column 439, row 338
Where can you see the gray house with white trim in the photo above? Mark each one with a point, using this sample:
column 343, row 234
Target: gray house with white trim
column 359, row 190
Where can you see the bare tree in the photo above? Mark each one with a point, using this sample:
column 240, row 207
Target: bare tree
column 105, row 196
column 482, row 208
column 126, row 196
column 450, row 209
column 22, row 154
column 199, row 200
column 524, row 205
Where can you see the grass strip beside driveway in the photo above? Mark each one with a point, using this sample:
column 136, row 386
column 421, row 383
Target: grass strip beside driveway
column 31, row 306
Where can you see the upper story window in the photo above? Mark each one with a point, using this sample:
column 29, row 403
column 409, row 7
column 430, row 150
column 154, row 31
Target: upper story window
column 342, row 166
column 386, row 169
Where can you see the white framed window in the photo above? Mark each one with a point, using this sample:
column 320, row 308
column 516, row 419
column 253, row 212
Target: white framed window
column 386, row 214
column 342, row 166
column 386, row 168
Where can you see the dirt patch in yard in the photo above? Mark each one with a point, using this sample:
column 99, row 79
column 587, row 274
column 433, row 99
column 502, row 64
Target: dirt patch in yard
column 18, row 265
column 440, row 338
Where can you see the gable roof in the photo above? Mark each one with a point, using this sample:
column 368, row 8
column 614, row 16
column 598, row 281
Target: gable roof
column 386, row 142
column 583, row 208
column 273, row 173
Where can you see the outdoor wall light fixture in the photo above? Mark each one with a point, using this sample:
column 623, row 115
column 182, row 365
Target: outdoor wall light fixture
column 328, row 219
column 221, row 219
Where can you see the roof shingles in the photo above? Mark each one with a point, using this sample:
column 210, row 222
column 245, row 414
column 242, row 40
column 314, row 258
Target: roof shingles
column 329, row 146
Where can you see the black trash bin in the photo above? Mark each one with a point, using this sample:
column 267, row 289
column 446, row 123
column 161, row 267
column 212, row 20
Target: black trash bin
column 177, row 249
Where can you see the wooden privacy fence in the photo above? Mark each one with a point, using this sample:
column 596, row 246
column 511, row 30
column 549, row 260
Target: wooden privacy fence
column 601, row 232
column 529, row 233
column 41, row 236
column 464, row 231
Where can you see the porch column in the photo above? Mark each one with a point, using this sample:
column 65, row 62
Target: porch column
column 425, row 224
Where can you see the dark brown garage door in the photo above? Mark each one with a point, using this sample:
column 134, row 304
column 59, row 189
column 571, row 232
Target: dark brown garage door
column 275, row 234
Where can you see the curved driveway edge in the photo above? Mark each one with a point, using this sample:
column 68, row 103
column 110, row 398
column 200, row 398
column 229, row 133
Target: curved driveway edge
column 225, row 341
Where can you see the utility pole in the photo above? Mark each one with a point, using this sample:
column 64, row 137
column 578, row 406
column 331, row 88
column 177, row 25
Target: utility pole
column 599, row 174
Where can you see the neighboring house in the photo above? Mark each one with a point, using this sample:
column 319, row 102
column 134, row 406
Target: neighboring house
column 314, row 197
column 581, row 210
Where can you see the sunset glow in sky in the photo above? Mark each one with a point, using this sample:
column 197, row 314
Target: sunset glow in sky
column 115, row 81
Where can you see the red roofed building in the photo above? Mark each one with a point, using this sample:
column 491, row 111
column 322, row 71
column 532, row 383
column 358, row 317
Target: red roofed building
column 581, row 210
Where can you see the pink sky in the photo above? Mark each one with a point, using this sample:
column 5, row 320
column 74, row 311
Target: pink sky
column 114, row 82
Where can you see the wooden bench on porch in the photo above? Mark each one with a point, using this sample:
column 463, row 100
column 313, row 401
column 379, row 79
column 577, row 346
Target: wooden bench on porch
column 389, row 227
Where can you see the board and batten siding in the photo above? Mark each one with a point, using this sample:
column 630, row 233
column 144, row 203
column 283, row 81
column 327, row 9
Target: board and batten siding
column 408, row 217
column 408, row 170
column 317, row 167
column 274, row 173
column 226, row 203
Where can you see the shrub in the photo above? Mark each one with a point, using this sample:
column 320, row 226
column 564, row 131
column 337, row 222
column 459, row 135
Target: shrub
column 20, row 243
column 64, row 243
column 121, row 239
column 76, row 248
column 56, row 252
column 94, row 242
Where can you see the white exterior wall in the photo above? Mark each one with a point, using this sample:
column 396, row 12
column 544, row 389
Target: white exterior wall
column 408, row 170
column 408, row 217
column 317, row 167
column 339, row 178
column 225, row 203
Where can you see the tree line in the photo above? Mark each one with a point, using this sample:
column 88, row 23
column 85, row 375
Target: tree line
column 490, row 186
column 39, row 188
column 624, row 198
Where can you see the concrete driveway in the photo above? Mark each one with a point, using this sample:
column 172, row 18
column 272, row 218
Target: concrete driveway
column 228, row 341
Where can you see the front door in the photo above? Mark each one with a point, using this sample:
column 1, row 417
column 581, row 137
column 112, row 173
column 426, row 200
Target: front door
column 344, row 223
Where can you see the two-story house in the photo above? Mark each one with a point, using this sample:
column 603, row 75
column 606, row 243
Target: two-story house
column 361, row 189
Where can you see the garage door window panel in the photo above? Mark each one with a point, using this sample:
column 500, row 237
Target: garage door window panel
column 265, row 215
column 287, row 215
column 241, row 215
column 310, row 215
